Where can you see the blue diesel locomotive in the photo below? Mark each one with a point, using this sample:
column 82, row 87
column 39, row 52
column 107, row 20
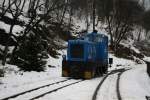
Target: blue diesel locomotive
column 86, row 57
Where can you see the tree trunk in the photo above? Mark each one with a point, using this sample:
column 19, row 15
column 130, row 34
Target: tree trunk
column 70, row 19
column 12, row 59
column 111, row 35
column 94, row 15
column 63, row 14
column 6, row 47
column 87, row 24
column 139, row 35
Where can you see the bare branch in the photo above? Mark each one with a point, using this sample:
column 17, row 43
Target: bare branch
column 22, row 7
column 52, row 8
column 17, row 4
column 3, row 5
column 10, row 9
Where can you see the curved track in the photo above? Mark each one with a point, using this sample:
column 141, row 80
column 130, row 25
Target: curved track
column 31, row 90
column 117, row 86
column 120, row 71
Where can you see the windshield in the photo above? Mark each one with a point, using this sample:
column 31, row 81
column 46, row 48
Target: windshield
column 77, row 50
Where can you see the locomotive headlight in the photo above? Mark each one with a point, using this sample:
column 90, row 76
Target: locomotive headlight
column 87, row 74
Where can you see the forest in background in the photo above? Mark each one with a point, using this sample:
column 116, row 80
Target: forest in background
column 46, row 24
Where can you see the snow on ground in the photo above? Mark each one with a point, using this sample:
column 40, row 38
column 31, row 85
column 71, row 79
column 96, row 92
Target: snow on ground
column 108, row 90
column 33, row 94
column 147, row 59
column 80, row 91
column 15, row 80
column 129, row 44
column 6, row 27
column 121, row 63
column 135, row 83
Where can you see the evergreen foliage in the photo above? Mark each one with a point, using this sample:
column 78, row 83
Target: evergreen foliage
column 31, row 54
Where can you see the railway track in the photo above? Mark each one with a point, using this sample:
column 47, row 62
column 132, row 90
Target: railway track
column 55, row 90
column 117, row 86
column 53, row 87
column 66, row 83
column 119, row 71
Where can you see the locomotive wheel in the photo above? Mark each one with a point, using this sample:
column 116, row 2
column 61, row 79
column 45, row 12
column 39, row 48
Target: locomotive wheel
column 73, row 70
column 105, row 68
column 64, row 69
column 101, row 71
column 98, row 71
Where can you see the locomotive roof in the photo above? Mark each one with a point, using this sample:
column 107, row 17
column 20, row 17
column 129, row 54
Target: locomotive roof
column 90, row 38
column 96, row 34
column 79, row 41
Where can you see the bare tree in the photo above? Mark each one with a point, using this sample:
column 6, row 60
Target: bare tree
column 120, row 16
column 15, row 7
column 39, row 11
column 146, row 21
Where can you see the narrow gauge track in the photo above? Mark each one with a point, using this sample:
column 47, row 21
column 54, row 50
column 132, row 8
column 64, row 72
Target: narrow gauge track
column 117, row 85
column 21, row 93
column 39, row 96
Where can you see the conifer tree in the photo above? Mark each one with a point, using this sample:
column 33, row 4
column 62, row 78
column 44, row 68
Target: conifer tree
column 31, row 54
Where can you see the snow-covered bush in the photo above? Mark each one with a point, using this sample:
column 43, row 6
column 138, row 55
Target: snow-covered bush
column 127, row 52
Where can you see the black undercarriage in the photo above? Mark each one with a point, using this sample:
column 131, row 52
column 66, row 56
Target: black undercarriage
column 80, row 69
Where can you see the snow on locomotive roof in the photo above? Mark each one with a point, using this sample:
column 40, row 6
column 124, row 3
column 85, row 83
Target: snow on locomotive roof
column 94, row 33
column 79, row 41
column 95, row 37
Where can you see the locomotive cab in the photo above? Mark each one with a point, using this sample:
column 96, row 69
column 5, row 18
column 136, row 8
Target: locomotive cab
column 80, row 53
